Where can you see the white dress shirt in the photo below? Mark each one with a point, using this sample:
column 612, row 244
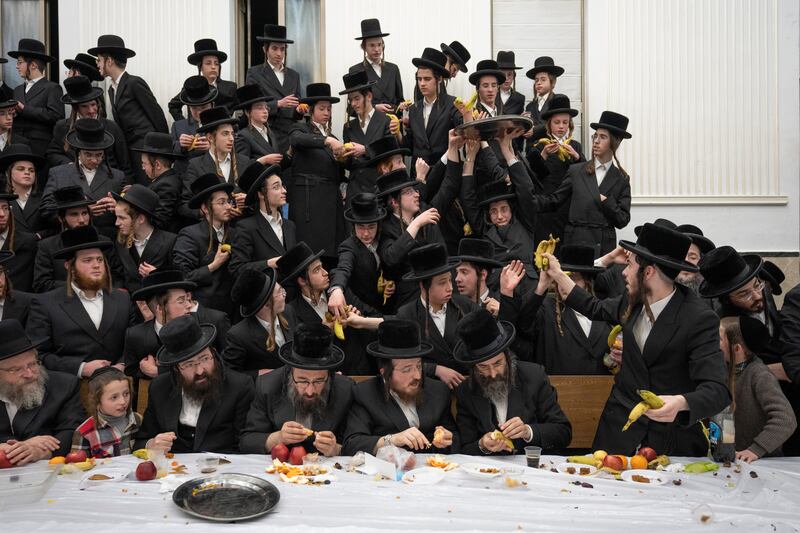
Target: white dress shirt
column 426, row 110
column 22, row 199
column 93, row 306
column 643, row 326
column 585, row 323
column 3, row 140
column 30, row 83
column 377, row 68
column 504, row 96
column 322, row 305
column 141, row 245
column 279, row 71
column 439, row 317
column 190, row 411
column 321, row 128
column 115, row 83
column 157, row 327
column 540, row 100
column 224, row 165
column 88, row 174
column 276, row 223
column 262, row 131
column 601, row 169
column 492, row 111
column 280, row 339
column 3, row 237
column 409, row 410
column 365, row 123
column 220, row 231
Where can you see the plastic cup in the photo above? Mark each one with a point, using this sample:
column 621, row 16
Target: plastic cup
column 532, row 455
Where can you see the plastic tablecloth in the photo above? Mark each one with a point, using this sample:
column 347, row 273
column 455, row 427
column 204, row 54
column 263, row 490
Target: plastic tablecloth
column 768, row 500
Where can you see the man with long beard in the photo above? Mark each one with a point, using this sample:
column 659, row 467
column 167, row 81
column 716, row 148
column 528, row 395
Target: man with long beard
column 304, row 403
column 40, row 409
column 199, row 406
column 400, row 407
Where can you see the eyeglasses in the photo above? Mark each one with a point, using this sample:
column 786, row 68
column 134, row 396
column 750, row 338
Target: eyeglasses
column 191, row 365
column 8, row 113
column 17, row 370
column 223, row 203
column 747, row 295
column 304, row 383
column 183, row 300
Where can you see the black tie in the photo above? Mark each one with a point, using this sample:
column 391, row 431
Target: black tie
column 111, row 94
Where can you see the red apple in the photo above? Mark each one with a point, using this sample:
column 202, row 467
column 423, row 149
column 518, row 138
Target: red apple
column 146, row 471
column 4, row 462
column 296, row 455
column 648, row 453
column 76, row 457
column 613, row 462
column 280, row 452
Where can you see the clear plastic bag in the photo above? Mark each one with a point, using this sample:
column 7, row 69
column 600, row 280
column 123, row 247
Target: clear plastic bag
column 403, row 460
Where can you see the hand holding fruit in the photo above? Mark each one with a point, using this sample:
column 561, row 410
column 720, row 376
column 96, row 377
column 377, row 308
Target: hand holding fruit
column 491, row 444
column 161, row 442
column 292, row 433
column 516, row 429
column 442, row 437
column 672, row 406
column 411, row 438
column 325, row 442
column 221, row 257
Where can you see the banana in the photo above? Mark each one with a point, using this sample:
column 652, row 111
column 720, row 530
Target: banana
column 142, row 454
column 498, row 435
column 612, row 336
column 638, row 410
column 471, row 103
column 661, row 460
column 547, row 246
column 475, row 114
column 225, row 248
column 389, row 287
column 338, row 330
column 458, row 102
column 649, row 401
column 652, row 400
column 392, row 117
column 467, row 230
column 585, row 460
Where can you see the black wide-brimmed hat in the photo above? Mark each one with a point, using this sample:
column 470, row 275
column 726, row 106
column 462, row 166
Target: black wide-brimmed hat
column 613, row 122
column 755, row 334
column 578, row 258
column 311, row 348
column 206, row 47
column 142, row 198
column 487, row 67
column 559, row 104
column 206, row 185
column 662, row 222
column 295, row 261
column 663, row 246
column 6, row 103
column 458, row 54
column 434, row 60
column 71, row 196
column 273, row 33
column 386, row 146
column 31, row 48
column 724, row 270
column 364, row 209
column 478, row 251
column 6, row 256
column 160, row 281
column 112, row 45
column 19, row 152
column 356, row 80
column 481, row 337
column 394, row 181
column 544, row 64
column 774, row 275
column 86, row 65
column 14, row 340
column 399, row 339
column 698, row 239
column 496, row 191
column 371, row 28
column 80, row 238
column 80, row 90
column 428, row 261
column 506, row 60
column 252, row 179
column 318, row 92
column 90, row 134
column 182, row 338
column 252, row 289
column 197, row 91
column 247, row 95
column 211, row 119
column 6, row 196
column 160, row 144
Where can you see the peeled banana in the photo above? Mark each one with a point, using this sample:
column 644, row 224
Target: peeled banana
column 384, row 285
column 649, row 401
column 498, row 435
column 562, row 153
column 547, row 246
column 585, row 460
column 142, row 454
column 652, row 399
column 660, row 461
column 338, row 329
column 469, row 104
column 612, row 336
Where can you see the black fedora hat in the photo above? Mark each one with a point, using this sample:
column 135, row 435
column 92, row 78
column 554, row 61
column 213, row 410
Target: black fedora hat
column 371, row 28
column 774, row 275
column 7, row 101
column 252, row 289
column 253, row 177
column 318, row 92
column 6, row 196
column 481, row 337
column 364, row 209
column 755, row 334
column 544, row 64
column 487, row 67
column 86, row 65
column 478, row 251
column 160, row 144
column 496, row 191
column 80, row 90
column 663, row 246
column 19, row 152
column 295, row 261
column 506, row 60
column 384, row 147
column 204, row 186
column 724, row 270
column 559, row 104
column 356, row 80
column 613, row 122
column 663, row 222
column 71, row 196
column 428, row 261
column 434, row 60
column 161, row 281
column 90, row 134
column 112, row 45
column 311, row 348
column 31, row 48
column 274, row 33
column 394, row 181
column 6, row 256
column 142, row 198
column 182, row 339
column 14, row 340
column 698, row 239
column 211, row 119
column 197, row 91
column 399, row 339
column 578, row 258
column 206, row 47
column 80, row 238
column 458, row 54
column 247, row 95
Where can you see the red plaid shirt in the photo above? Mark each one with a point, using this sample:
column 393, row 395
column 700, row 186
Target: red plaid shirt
column 105, row 441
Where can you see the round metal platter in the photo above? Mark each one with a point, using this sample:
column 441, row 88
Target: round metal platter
column 227, row 497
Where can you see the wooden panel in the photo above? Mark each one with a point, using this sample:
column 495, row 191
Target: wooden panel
column 582, row 399
column 142, row 395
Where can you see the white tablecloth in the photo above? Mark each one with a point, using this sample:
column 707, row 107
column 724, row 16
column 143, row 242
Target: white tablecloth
column 354, row 502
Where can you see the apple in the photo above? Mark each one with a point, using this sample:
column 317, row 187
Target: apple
column 4, row 462
column 146, row 471
column 613, row 462
column 76, row 457
column 599, row 455
column 296, row 455
column 280, row 452
column 648, row 453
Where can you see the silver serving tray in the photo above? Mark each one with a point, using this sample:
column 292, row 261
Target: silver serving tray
column 226, row 497
column 489, row 128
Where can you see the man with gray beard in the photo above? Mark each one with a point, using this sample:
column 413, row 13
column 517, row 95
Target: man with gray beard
column 304, row 403
column 39, row 410
column 513, row 397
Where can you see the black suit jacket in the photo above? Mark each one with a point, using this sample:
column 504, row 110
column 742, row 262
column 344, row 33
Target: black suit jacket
column 515, row 104
column 430, row 142
column 42, row 109
column 168, row 188
column 389, row 86
column 136, row 110
column 220, row 420
column 373, row 416
column 252, row 145
column 271, row 408
column 17, row 305
column 30, row 219
column 226, row 96
column 157, row 252
column 246, row 349
column 255, row 242
column 280, row 120
column 117, row 156
column 204, row 164
column 357, row 270
column 363, row 177
column 207, row 315
column 531, row 398
column 20, row 269
column 49, row 272
column 60, row 413
column 790, row 333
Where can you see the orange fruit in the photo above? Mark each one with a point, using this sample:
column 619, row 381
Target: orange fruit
column 58, row 460
column 639, row 462
column 624, row 461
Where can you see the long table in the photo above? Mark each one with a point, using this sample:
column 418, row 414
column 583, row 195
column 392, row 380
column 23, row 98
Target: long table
column 768, row 500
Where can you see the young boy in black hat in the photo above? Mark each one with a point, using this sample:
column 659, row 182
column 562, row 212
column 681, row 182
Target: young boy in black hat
column 208, row 59
column 388, row 87
column 158, row 157
column 457, row 58
column 513, row 103
column 20, row 174
column 197, row 95
column 256, row 138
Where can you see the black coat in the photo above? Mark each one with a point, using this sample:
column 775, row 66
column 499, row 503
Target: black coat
column 373, row 416
column 362, row 177
column 204, row 164
column 536, row 114
column 60, row 413
column 271, row 408
column 255, row 242
column 252, row 145
column 180, row 127
column 515, row 104
column 280, row 120
column 532, row 399
column 20, row 269
column 226, row 96
column 790, row 333
column 43, row 108
column 30, row 219
column 17, row 305
column 208, row 315
column 117, row 156
column 136, row 110
column 220, row 420
column 49, row 272
column 16, row 138
column 157, row 252
column 681, row 357
column 69, row 334
column 358, row 271
column 431, row 142
column 168, row 187
column 389, row 86
column 246, row 349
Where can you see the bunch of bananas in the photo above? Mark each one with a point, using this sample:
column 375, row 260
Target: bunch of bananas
column 458, row 102
column 562, row 153
column 338, row 329
column 649, row 401
column 547, row 246
column 384, row 285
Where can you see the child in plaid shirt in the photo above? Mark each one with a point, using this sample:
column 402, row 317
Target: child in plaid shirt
column 109, row 431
